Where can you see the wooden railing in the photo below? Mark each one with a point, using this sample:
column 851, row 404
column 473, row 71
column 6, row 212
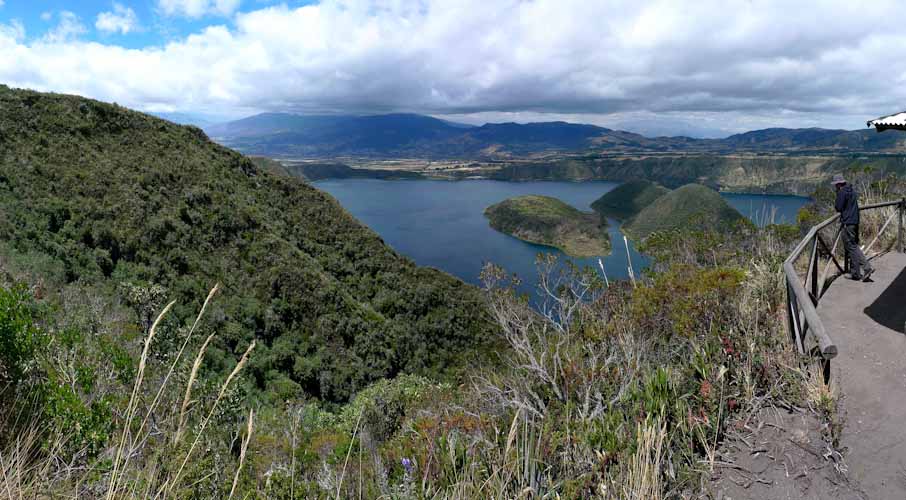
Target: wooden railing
column 806, row 330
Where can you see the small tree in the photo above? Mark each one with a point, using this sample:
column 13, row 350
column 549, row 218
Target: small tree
column 145, row 299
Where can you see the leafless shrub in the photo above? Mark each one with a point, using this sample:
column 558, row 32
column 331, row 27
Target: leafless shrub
column 547, row 358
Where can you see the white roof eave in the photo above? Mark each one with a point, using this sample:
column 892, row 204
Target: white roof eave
column 896, row 121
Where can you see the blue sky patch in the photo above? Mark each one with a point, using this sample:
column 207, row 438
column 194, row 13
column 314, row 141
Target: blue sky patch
column 153, row 25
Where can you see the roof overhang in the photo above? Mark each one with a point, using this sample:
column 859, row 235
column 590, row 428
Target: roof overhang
column 896, row 122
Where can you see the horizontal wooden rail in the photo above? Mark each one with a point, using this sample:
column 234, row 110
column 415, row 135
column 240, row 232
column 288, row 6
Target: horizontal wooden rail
column 813, row 324
column 802, row 296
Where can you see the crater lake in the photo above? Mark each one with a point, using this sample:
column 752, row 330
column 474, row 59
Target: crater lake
column 441, row 224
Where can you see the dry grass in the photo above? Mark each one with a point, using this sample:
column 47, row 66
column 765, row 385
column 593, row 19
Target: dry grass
column 173, row 482
column 242, row 452
column 22, row 476
column 132, row 407
column 643, row 477
column 32, row 467
column 187, row 398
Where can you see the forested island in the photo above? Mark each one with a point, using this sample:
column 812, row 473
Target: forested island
column 628, row 199
column 548, row 221
column 692, row 207
column 642, row 207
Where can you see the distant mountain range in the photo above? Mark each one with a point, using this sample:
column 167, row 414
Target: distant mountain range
column 411, row 135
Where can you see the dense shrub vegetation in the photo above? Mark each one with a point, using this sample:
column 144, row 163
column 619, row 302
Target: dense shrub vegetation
column 94, row 193
column 322, row 366
column 615, row 391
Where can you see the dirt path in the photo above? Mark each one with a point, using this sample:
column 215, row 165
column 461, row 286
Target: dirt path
column 866, row 321
column 781, row 457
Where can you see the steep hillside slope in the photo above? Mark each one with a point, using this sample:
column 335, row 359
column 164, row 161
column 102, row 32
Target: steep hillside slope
column 97, row 193
column 692, row 206
column 628, row 199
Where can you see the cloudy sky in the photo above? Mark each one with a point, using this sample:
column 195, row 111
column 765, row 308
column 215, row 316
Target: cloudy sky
column 702, row 67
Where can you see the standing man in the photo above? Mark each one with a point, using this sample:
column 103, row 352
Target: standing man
column 848, row 205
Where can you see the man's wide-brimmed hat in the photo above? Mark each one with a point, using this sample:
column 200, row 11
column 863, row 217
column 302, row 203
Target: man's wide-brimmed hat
column 838, row 179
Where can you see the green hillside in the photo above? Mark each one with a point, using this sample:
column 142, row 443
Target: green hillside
column 617, row 389
column 628, row 199
column 691, row 206
column 549, row 221
column 98, row 194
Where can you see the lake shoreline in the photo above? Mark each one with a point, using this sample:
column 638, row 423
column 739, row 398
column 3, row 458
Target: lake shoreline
column 441, row 224
column 406, row 175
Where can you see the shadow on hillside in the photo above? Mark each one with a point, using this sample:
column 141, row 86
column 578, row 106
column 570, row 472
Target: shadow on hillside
column 890, row 308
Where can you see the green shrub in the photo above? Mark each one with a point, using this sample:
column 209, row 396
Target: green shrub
column 381, row 406
column 20, row 339
column 30, row 361
column 84, row 427
column 686, row 300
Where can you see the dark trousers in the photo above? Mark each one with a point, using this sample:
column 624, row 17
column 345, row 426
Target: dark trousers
column 854, row 255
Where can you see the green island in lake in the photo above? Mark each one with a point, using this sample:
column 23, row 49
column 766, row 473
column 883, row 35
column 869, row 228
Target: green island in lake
column 645, row 208
column 628, row 199
column 548, row 221
column 692, row 206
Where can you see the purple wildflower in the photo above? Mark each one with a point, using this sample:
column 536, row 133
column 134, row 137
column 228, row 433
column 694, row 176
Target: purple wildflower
column 407, row 464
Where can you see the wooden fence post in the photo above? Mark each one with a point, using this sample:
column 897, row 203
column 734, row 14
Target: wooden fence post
column 791, row 312
column 901, row 208
column 813, row 268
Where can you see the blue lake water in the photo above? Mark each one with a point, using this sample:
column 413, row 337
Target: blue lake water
column 441, row 223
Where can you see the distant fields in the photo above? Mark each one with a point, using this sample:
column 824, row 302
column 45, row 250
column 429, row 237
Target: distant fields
column 743, row 173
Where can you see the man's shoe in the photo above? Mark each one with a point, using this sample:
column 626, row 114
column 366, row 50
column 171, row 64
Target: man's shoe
column 855, row 277
column 867, row 275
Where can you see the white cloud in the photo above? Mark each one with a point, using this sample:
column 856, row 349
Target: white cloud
column 15, row 30
column 46, row 16
column 198, row 8
column 736, row 62
column 122, row 19
column 66, row 31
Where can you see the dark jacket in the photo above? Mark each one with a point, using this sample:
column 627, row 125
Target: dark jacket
column 848, row 205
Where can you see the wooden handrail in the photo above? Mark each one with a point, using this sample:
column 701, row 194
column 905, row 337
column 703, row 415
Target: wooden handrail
column 826, row 345
column 802, row 312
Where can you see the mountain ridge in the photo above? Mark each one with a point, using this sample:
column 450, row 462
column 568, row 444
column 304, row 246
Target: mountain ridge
column 414, row 135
